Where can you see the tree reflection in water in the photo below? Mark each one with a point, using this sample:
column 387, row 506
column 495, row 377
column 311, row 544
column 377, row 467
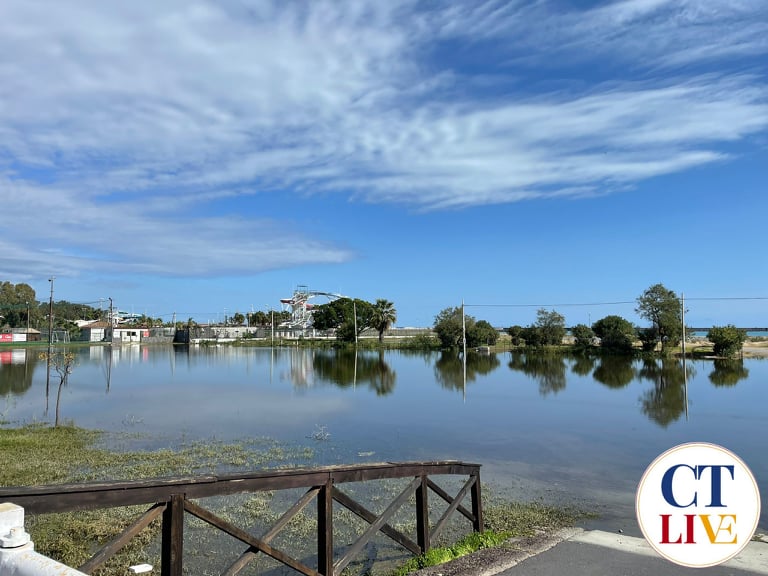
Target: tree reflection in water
column 615, row 371
column 728, row 372
column 346, row 368
column 583, row 365
column 449, row 368
column 547, row 368
column 666, row 401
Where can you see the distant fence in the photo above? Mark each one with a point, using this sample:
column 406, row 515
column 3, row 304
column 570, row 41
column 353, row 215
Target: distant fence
column 171, row 498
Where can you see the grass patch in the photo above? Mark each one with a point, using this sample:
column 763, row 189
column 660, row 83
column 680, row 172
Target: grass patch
column 503, row 520
column 442, row 554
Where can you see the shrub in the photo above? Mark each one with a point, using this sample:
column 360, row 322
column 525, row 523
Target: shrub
column 726, row 340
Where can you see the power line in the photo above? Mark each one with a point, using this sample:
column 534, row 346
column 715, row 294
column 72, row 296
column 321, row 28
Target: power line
column 613, row 303
column 550, row 305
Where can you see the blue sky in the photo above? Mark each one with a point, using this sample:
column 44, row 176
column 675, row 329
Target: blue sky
column 197, row 157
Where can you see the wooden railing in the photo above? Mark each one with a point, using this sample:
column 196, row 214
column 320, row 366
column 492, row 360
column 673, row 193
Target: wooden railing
column 170, row 498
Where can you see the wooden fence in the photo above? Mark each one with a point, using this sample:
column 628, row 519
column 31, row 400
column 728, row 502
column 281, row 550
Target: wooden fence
column 170, row 498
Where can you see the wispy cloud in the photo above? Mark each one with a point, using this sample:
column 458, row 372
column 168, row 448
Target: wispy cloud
column 150, row 109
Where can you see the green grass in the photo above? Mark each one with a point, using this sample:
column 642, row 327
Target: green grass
column 503, row 520
column 442, row 554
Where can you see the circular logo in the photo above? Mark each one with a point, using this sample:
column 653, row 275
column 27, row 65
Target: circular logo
column 698, row 504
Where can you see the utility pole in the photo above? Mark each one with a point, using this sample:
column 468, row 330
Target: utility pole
column 27, row 321
column 50, row 313
column 354, row 307
column 682, row 319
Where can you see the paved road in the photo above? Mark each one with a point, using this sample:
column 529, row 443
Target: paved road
column 578, row 552
column 596, row 553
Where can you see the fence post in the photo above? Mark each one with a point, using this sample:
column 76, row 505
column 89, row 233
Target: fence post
column 422, row 514
column 173, row 537
column 325, row 529
column 477, row 504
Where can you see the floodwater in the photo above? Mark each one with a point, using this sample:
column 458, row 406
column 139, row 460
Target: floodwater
column 564, row 429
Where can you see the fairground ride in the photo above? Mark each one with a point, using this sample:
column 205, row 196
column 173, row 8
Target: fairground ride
column 300, row 307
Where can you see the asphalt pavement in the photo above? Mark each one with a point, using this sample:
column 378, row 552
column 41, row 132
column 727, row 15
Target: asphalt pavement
column 579, row 552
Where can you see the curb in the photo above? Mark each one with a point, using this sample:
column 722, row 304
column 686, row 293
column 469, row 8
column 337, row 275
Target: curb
column 492, row 561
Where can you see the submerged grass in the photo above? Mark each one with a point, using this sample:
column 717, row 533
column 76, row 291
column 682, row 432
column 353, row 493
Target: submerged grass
column 39, row 454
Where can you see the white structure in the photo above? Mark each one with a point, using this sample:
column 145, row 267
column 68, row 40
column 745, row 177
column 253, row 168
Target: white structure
column 300, row 307
column 17, row 551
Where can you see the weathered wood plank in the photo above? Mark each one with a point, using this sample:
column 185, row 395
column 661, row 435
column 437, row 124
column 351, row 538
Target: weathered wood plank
column 422, row 514
column 172, row 552
column 69, row 497
column 477, row 504
column 325, row 529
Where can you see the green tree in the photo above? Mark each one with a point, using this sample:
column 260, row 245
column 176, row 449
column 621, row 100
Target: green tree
column 616, row 333
column 17, row 301
column 582, row 336
column 238, row 319
column 516, row 335
column 482, row 334
column 552, row 326
column 726, row 340
column 649, row 338
column 532, row 336
column 384, row 315
column 448, row 327
column 343, row 315
column 662, row 308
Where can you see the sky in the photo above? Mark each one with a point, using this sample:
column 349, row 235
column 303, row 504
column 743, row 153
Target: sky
column 202, row 158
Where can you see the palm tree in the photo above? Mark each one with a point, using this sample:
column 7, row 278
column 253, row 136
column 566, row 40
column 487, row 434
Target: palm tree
column 384, row 315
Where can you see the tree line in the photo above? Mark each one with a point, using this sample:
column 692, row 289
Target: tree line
column 660, row 306
column 348, row 318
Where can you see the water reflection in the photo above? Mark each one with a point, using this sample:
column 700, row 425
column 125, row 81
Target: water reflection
column 662, row 399
column 17, row 369
column 449, row 368
column 615, row 371
column 351, row 368
column 582, row 365
column 548, row 369
column 728, row 372
column 666, row 402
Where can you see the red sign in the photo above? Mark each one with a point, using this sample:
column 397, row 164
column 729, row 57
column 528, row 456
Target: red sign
column 6, row 337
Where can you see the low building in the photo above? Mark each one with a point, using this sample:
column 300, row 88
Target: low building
column 99, row 331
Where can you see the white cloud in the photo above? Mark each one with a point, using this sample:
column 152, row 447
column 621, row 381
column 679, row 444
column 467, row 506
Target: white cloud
column 156, row 107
